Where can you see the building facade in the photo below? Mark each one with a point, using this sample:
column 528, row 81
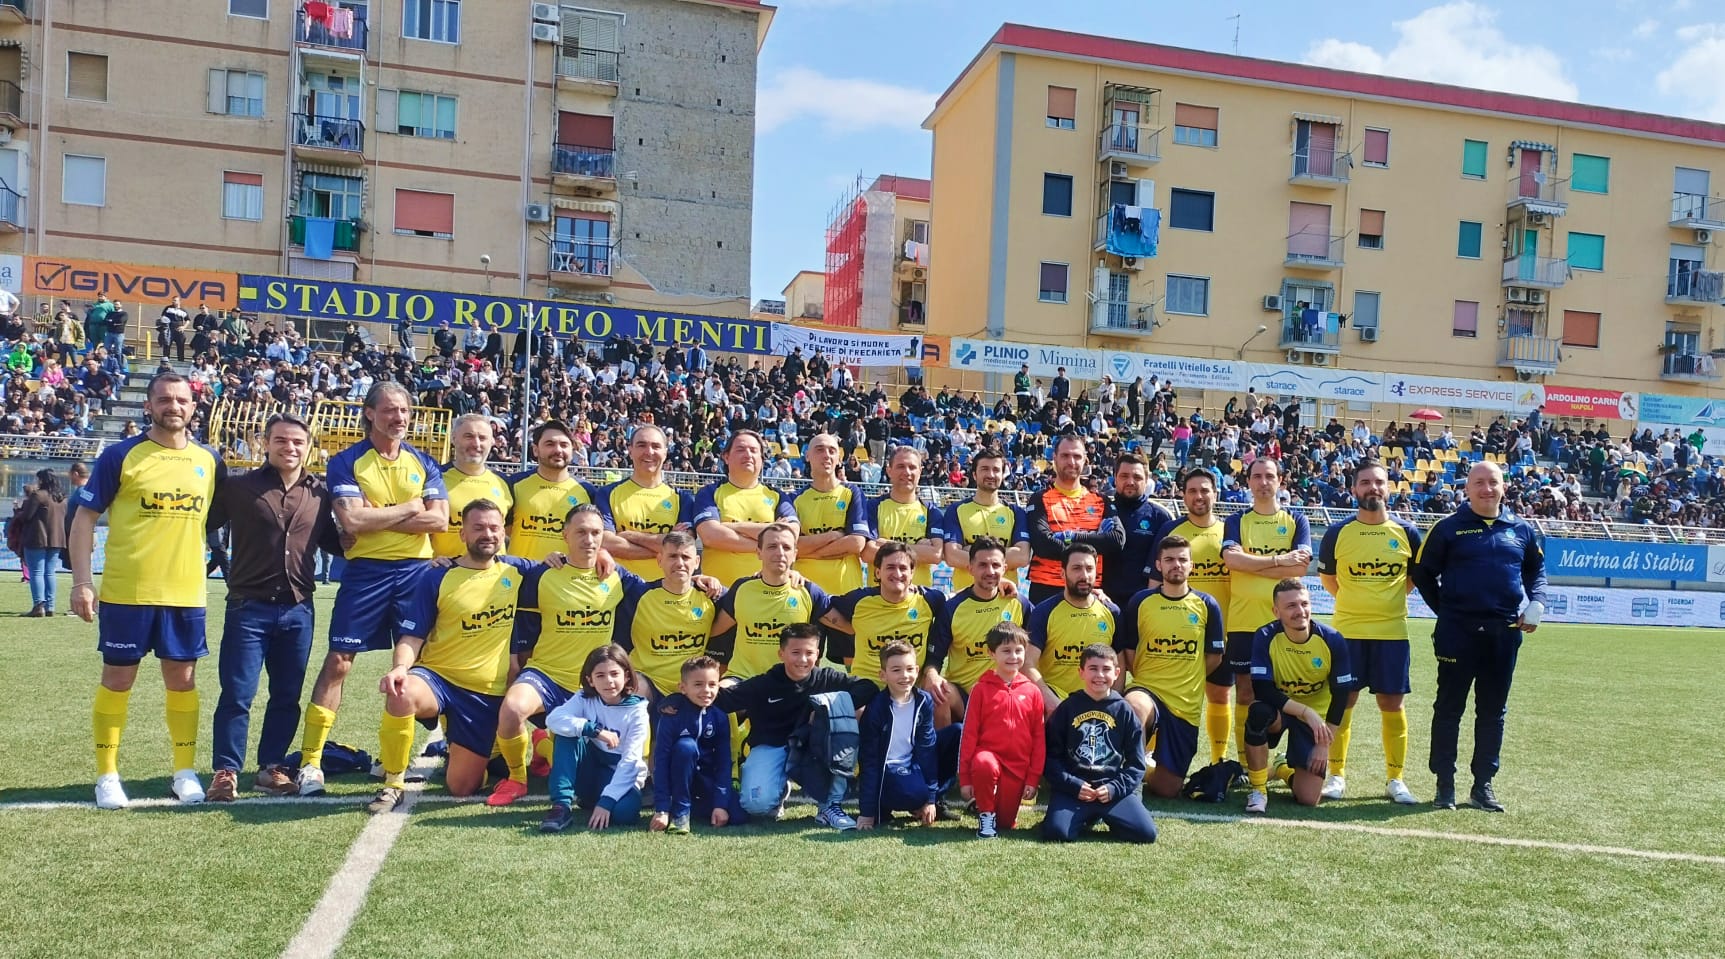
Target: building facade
column 1128, row 196
column 877, row 246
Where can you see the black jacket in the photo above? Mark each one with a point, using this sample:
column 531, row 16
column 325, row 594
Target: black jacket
column 775, row 704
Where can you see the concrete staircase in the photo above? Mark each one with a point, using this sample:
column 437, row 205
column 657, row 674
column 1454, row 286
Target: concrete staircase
column 128, row 406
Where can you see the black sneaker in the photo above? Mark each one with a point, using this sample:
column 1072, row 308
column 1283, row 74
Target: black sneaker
column 1444, row 798
column 943, row 812
column 1482, row 797
column 557, row 819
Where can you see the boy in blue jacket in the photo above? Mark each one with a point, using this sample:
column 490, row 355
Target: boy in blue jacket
column 903, row 762
column 692, row 755
column 1095, row 763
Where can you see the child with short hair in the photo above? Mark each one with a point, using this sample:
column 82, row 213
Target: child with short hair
column 692, row 754
column 899, row 769
column 1095, row 762
column 599, row 736
column 1000, row 756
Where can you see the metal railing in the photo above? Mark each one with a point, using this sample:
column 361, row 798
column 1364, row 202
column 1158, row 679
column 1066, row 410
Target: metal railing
column 1315, row 250
column 1542, row 271
column 600, row 65
column 572, row 159
column 1528, row 351
column 1540, row 190
column 1697, row 210
column 1695, row 286
column 583, row 257
column 347, row 233
column 1327, row 166
column 318, row 35
column 11, row 207
column 1122, row 316
column 1689, row 367
column 1130, row 140
column 330, row 133
column 11, row 99
column 18, row 446
column 1296, row 335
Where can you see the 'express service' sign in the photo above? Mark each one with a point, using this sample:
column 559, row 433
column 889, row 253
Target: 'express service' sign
column 69, row 279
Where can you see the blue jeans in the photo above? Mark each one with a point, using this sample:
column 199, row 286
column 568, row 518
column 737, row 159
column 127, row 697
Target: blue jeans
column 40, row 563
column 580, row 771
column 766, row 784
column 274, row 637
column 115, row 343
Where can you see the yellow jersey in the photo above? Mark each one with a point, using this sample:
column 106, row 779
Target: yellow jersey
column 1370, row 562
column 908, row 523
column 463, row 489
column 965, row 657
column 665, row 629
column 1209, row 574
column 724, row 503
column 655, row 510
column 536, row 524
column 1060, row 631
column 917, row 620
column 761, row 613
column 567, row 613
column 1251, row 597
column 467, row 617
column 969, row 521
column 360, row 472
column 1169, row 639
column 157, row 500
column 1314, row 672
column 837, row 510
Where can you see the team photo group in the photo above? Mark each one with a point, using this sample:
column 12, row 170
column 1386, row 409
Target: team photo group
column 678, row 660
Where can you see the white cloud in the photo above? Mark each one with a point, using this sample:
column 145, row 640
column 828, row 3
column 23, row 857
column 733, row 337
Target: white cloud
column 1646, row 28
column 1693, row 77
column 840, row 104
column 1614, row 54
column 1455, row 43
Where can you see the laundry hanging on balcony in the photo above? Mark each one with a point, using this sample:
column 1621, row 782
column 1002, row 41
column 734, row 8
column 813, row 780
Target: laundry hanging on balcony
column 1133, row 230
column 1707, row 285
column 319, row 238
column 916, row 252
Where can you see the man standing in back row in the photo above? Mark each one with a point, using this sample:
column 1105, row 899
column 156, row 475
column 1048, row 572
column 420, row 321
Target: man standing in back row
column 1064, row 514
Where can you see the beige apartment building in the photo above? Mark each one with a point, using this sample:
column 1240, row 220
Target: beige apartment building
column 600, row 153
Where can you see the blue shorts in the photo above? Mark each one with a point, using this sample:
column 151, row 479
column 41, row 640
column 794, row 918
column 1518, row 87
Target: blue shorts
column 1380, row 665
column 372, row 603
column 470, row 718
column 1176, row 739
column 1238, row 658
column 1300, row 742
column 551, row 693
column 124, row 633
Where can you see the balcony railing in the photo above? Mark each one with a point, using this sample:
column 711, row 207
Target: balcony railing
column 1535, row 353
column 1296, row 335
column 1320, row 167
column 914, row 313
column 582, row 257
column 1544, row 272
column 11, row 99
column 11, row 209
column 316, row 34
column 597, row 65
column 1315, row 251
column 1689, row 368
column 1698, row 211
column 1539, row 193
column 329, row 133
column 347, row 233
column 1129, row 141
column 570, row 159
column 1697, row 286
column 1122, row 317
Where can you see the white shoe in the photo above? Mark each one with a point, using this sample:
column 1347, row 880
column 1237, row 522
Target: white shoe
column 1398, row 793
column 985, row 828
column 1257, row 802
column 310, row 781
column 186, row 787
column 109, row 793
column 1335, row 787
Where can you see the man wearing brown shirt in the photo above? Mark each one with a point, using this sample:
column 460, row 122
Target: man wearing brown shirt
column 279, row 516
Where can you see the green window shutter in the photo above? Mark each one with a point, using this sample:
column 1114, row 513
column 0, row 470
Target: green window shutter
column 1591, row 174
column 1468, row 240
column 1586, row 251
column 1473, row 158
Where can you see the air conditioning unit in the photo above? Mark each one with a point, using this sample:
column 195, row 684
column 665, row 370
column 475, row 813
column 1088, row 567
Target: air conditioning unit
column 1517, row 294
column 1368, row 334
column 1535, row 219
column 1701, row 236
column 1117, row 170
column 1131, row 263
column 1526, row 376
column 1273, row 301
column 546, row 12
column 1536, row 297
column 547, row 33
column 919, row 274
column 1320, row 359
column 1293, row 356
column 538, row 213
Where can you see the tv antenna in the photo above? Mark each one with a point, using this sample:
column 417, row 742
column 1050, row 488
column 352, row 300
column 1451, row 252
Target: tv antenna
column 1236, row 19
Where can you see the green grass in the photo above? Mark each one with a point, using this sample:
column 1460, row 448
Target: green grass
column 1609, row 744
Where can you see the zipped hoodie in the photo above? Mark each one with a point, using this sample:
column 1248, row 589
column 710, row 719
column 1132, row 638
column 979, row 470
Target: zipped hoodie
column 776, row 704
column 1004, row 719
column 584, row 714
column 876, row 731
column 711, row 731
column 1095, row 742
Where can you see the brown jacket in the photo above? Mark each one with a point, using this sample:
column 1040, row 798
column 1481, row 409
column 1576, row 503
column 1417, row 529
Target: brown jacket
column 42, row 520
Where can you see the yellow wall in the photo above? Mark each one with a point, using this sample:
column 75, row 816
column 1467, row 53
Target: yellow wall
column 962, row 195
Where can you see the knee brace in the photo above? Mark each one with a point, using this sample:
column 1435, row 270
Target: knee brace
column 1259, row 717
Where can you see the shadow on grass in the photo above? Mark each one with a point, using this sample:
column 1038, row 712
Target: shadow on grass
column 1283, row 806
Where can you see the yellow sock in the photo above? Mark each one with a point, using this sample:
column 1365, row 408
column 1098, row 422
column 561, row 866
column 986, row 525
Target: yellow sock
column 543, row 748
column 182, row 710
column 107, row 721
column 318, row 722
column 1218, row 719
column 1339, row 745
column 1239, row 730
column 515, row 754
column 1285, row 773
column 1258, row 778
column 395, row 745
column 1395, row 743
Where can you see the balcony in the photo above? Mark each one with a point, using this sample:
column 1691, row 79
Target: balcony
column 1314, row 251
column 1527, row 353
column 581, row 68
column 1688, row 368
column 577, row 165
column 1697, row 211
column 347, row 233
column 11, row 211
column 1539, row 193
column 581, row 262
column 1321, row 168
column 1695, row 288
column 1130, row 143
column 11, row 105
column 1296, row 335
column 1537, row 272
column 913, row 316
column 337, row 140
column 14, row 11
column 310, row 33
column 1122, row 318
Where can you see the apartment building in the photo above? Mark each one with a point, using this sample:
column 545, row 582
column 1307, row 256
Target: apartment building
column 1109, row 194
column 599, row 153
column 878, row 255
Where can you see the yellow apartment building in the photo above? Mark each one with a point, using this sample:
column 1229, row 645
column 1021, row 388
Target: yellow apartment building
column 1114, row 195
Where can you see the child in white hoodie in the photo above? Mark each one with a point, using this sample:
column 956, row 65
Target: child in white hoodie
column 599, row 743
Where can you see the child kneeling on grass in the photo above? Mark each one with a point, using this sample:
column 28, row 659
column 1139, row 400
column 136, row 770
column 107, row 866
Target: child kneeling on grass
column 1096, row 758
column 899, row 767
column 692, row 754
column 1001, row 754
column 599, row 737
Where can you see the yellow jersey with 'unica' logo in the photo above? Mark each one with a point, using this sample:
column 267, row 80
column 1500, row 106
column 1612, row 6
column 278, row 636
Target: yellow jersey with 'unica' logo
column 157, row 499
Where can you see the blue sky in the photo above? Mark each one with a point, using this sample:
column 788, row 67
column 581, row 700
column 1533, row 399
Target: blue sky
column 845, row 84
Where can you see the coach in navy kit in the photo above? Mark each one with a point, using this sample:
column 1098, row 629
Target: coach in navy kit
column 1475, row 569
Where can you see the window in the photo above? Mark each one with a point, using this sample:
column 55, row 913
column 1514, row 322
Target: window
column 256, row 9
column 1309, row 232
column 1056, row 194
column 336, row 197
column 1590, row 174
column 1686, row 261
column 417, row 114
column 1473, row 159
column 582, row 244
column 418, row 213
column 1580, row 328
column 1377, row 152
column 590, row 45
column 1195, row 126
column 242, row 196
column 84, row 181
column 916, row 231
column 1586, row 251
column 1187, row 294
column 236, row 93
column 1366, row 310
column 1466, row 321
column 1062, row 107
column 1053, row 288
column 1371, row 229
column 1468, row 239
column 1191, row 210
column 87, row 76
column 438, row 20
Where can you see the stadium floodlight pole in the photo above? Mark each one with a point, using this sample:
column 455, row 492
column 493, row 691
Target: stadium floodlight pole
column 527, row 396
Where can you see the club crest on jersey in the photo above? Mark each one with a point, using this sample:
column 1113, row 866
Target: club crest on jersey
column 507, row 582
column 791, row 602
column 1000, row 521
column 1317, row 661
column 198, row 471
column 413, row 477
column 1192, row 618
column 666, row 504
column 912, row 614
column 1395, row 545
column 604, row 587
column 1282, row 530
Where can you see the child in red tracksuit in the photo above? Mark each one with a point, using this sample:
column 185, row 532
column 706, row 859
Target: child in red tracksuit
column 1001, row 752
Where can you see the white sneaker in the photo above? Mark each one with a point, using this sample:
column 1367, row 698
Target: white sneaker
column 109, row 793
column 310, row 781
column 1256, row 802
column 1398, row 793
column 1335, row 787
column 985, row 826
column 835, row 816
column 186, row 787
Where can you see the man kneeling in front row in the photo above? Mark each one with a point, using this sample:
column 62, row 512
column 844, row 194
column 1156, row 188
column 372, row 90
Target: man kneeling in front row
column 1299, row 671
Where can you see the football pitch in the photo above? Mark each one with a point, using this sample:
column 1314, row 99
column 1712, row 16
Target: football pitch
column 1614, row 845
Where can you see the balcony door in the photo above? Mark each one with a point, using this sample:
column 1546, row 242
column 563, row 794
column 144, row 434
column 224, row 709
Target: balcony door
column 1124, row 117
column 1309, row 230
column 1532, row 172
column 1314, row 149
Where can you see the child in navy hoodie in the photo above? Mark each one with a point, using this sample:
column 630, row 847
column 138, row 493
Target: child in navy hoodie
column 692, row 755
column 900, row 766
column 1095, row 762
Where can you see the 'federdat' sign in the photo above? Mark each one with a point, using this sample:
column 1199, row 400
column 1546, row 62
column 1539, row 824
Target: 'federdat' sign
column 335, row 300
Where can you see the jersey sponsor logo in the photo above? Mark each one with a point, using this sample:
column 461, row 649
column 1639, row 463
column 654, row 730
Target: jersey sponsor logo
column 584, row 618
column 1068, row 652
column 648, row 526
column 1209, row 569
column 172, row 501
column 540, row 523
column 1375, row 569
column 879, row 641
column 679, row 642
column 763, row 631
column 1172, row 646
column 491, row 617
column 1296, row 689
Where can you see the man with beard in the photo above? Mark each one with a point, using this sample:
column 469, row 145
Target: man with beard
column 642, row 509
column 545, row 495
column 1062, row 626
column 467, row 478
column 1143, row 519
column 970, row 615
column 984, row 515
column 1300, row 668
column 834, row 522
column 1202, row 529
column 1067, row 514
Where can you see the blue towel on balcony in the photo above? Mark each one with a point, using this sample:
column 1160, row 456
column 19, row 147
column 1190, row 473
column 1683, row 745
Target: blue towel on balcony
column 319, row 238
column 1133, row 235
